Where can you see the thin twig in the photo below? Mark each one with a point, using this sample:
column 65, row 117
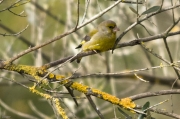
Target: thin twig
column 161, row 5
column 86, row 9
column 36, row 111
column 170, row 56
column 158, row 56
column 137, row 19
column 126, row 1
column 155, row 105
column 94, row 107
column 11, row 6
column 163, row 112
column 165, row 42
column 145, row 29
column 125, row 44
column 17, row 14
column 77, row 22
column 136, row 23
column 152, row 94
column 172, row 12
column 16, row 112
column 64, row 34
column 125, row 72
column 15, row 34
column 171, row 94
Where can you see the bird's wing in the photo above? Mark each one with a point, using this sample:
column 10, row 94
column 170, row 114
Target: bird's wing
column 100, row 42
column 87, row 38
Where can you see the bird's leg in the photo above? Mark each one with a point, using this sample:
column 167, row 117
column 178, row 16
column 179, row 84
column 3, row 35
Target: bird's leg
column 97, row 52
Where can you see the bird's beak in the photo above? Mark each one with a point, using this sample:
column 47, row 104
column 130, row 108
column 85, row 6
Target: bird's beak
column 116, row 29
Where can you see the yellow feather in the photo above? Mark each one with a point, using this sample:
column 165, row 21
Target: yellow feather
column 101, row 39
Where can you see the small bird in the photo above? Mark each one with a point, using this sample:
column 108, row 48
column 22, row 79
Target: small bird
column 101, row 39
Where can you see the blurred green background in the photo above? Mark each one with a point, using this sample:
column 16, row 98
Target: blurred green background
column 50, row 18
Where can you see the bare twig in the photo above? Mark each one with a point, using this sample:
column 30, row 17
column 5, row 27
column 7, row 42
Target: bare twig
column 125, row 44
column 155, row 105
column 141, row 79
column 94, row 107
column 145, row 29
column 16, row 13
column 14, row 34
column 163, row 112
column 158, row 56
column 35, row 110
column 15, row 4
column 20, row 114
column 126, row 1
column 64, row 34
column 137, row 15
column 86, row 8
column 22, row 38
column 77, row 22
column 152, row 94
column 175, row 81
column 173, row 12
column 161, row 5
column 165, row 42
column 136, row 23
column 120, row 73
column 166, row 113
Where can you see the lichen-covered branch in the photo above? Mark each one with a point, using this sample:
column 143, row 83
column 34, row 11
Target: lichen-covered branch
column 40, row 74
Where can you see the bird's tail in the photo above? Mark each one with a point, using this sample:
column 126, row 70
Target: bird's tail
column 78, row 60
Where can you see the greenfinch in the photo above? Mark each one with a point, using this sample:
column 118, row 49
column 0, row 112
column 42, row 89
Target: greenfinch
column 101, row 39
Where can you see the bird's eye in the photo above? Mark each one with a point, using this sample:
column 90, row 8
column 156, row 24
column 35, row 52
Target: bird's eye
column 111, row 27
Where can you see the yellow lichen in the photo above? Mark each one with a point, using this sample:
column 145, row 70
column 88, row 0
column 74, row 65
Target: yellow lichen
column 51, row 75
column 127, row 103
column 161, row 65
column 59, row 108
column 32, row 89
column 80, row 87
column 40, row 72
column 35, row 73
column 59, row 77
column 49, row 97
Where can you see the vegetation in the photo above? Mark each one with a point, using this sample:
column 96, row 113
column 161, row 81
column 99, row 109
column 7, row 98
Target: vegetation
column 138, row 78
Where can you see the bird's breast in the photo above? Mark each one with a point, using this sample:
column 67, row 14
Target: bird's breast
column 100, row 42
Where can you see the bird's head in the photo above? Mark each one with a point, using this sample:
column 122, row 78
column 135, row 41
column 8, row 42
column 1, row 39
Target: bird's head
column 108, row 26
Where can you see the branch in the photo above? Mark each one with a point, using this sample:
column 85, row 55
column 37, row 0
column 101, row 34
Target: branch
column 125, row 44
column 38, row 74
column 64, row 34
column 158, row 93
column 5, row 106
column 136, row 23
column 23, row 39
column 152, row 94
column 131, row 2
column 15, row 4
column 13, row 34
column 163, row 112
column 94, row 106
column 166, row 44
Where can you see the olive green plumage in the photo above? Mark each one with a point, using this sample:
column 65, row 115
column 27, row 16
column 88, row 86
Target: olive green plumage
column 101, row 39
